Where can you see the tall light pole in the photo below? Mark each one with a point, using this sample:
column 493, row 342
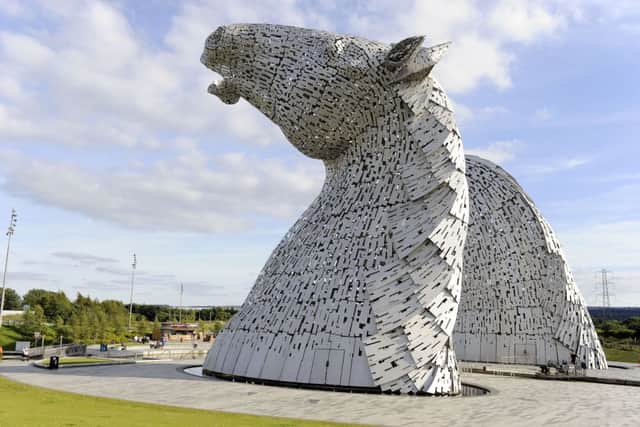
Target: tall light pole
column 181, row 291
column 133, row 274
column 10, row 230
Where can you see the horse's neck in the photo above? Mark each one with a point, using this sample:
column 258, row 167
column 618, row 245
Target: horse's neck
column 407, row 153
column 409, row 175
column 373, row 158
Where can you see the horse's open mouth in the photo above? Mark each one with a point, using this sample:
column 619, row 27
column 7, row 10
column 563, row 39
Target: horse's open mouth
column 226, row 90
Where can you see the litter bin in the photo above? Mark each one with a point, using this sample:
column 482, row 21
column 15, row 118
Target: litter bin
column 54, row 361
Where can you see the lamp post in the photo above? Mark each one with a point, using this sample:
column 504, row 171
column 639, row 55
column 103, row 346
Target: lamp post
column 10, row 230
column 181, row 291
column 133, row 274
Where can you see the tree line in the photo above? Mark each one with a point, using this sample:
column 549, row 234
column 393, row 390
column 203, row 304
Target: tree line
column 85, row 320
column 618, row 330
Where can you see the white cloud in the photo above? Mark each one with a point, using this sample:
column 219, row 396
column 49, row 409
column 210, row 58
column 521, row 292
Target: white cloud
column 83, row 258
column 493, row 109
column 555, row 166
column 108, row 91
column 483, row 33
column 10, row 88
column 465, row 114
column 102, row 85
column 24, row 50
column 192, row 192
column 104, row 74
column 11, row 124
column 499, row 152
column 110, row 85
column 95, row 83
column 474, row 59
column 523, row 21
column 576, row 161
column 28, row 276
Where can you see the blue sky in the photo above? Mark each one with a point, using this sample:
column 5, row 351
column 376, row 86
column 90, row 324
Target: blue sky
column 110, row 144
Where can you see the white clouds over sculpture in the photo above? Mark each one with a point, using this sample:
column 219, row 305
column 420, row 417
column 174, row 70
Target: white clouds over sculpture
column 363, row 290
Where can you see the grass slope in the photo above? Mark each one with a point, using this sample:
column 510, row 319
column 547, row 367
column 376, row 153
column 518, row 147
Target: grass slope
column 620, row 355
column 24, row 405
column 8, row 338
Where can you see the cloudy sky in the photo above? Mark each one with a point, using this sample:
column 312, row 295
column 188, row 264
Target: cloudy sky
column 109, row 143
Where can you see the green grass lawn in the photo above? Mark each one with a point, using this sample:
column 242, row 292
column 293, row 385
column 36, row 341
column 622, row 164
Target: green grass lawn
column 619, row 355
column 78, row 360
column 24, row 405
column 8, row 338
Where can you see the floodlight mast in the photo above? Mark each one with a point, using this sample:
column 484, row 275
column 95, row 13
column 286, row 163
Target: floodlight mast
column 181, row 292
column 10, row 231
column 133, row 273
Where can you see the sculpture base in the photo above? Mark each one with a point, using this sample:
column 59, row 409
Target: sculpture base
column 326, row 387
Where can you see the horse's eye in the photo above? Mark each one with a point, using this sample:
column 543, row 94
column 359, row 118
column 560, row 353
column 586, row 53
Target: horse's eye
column 347, row 57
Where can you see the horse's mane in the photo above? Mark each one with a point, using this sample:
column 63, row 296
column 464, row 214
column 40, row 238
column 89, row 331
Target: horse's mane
column 427, row 231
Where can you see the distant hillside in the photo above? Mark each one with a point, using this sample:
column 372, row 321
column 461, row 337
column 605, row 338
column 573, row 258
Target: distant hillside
column 615, row 313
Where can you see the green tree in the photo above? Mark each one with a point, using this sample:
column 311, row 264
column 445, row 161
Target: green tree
column 60, row 328
column 117, row 319
column 53, row 303
column 616, row 329
column 633, row 323
column 142, row 326
column 81, row 327
column 12, row 300
column 156, row 334
column 33, row 321
column 225, row 313
column 188, row 316
column 83, row 302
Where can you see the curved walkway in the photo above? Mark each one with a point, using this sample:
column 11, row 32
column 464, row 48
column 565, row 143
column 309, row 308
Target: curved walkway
column 514, row 401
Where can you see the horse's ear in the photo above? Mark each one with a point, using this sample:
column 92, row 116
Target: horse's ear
column 418, row 63
column 402, row 52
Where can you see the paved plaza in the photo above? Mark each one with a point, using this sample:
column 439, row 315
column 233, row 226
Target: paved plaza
column 513, row 401
column 619, row 371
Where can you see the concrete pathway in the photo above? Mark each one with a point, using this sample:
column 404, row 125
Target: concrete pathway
column 514, row 401
column 617, row 370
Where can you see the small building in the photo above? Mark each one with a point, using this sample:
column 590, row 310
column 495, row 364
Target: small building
column 179, row 331
column 12, row 317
